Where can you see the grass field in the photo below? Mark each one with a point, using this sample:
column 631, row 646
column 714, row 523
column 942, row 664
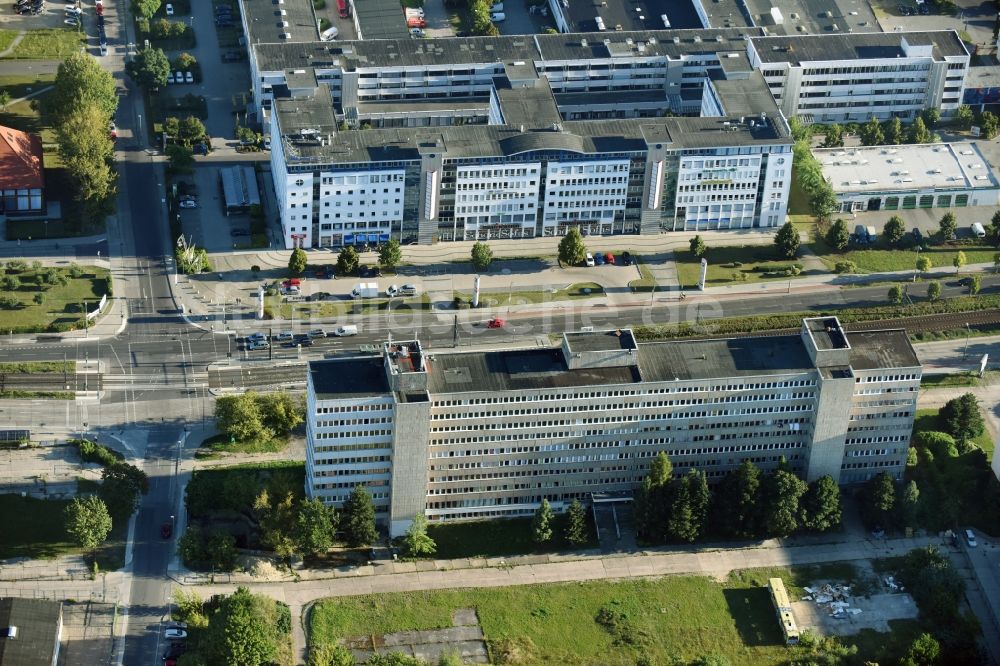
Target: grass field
column 7, row 38
column 62, row 308
column 884, row 259
column 683, row 617
column 927, row 419
column 26, row 116
column 38, row 367
column 570, row 293
column 493, row 538
column 51, row 43
column 723, row 268
column 33, row 528
column 949, row 381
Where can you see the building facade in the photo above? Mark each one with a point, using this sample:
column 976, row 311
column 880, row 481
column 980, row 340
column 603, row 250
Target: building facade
column 852, row 78
column 22, row 176
column 490, row 434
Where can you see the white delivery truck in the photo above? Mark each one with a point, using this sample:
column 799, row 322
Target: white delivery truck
column 344, row 331
column 978, row 230
column 365, row 290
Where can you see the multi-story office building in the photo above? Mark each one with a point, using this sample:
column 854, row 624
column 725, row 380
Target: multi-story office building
column 851, row 78
column 490, row 434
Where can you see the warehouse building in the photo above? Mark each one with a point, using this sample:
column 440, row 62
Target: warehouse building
column 467, row 435
column 937, row 175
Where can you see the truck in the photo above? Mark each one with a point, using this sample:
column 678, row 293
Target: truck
column 346, row 330
column 365, row 290
column 343, row 9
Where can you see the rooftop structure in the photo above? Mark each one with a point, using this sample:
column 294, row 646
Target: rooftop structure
column 29, row 631
column 267, row 21
column 799, row 49
column 22, row 179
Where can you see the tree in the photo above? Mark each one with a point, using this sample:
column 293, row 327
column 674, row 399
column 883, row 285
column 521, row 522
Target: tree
column 86, row 150
column 149, row 68
column 964, row 116
column 821, row 505
column 879, row 499
column 541, row 524
column 121, row 486
column 652, row 497
column 358, row 518
column 661, row 470
column 10, row 283
column 834, row 136
column 975, row 284
column 823, row 201
column 923, row 263
column 893, row 131
column 390, row 254
column 894, row 229
column 962, row 418
column 871, row 133
column 934, row 291
column 908, row 500
column 736, row 510
column 698, row 247
column 190, row 130
column 781, row 492
column 800, row 131
column 275, row 511
column 988, row 124
column 88, row 521
column 416, row 541
column 220, row 550
column 958, row 261
column 939, row 444
column 145, row 8
column 689, row 507
column 838, row 236
column 315, row 527
column 787, row 240
column 919, row 132
column 930, row 117
column 181, row 157
column 482, row 257
column 993, row 230
column 297, row 261
column 280, row 411
column 82, row 81
column 186, row 61
column 38, row 298
column 896, row 294
column 240, row 417
column 948, row 225
column 347, row 261
column 925, row 651
column 576, row 524
column 572, row 250
column 4, row 99
column 243, row 631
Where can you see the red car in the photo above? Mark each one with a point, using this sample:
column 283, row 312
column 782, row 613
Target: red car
column 609, row 258
column 166, row 529
column 496, row 322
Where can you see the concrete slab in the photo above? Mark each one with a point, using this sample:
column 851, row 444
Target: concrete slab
column 876, row 612
column 87, row 634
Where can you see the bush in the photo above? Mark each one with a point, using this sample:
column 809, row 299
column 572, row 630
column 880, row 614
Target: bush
column 97, row 453
column 845, row 267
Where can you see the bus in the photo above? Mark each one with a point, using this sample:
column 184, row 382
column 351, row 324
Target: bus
column 783, row 608
column 343, row 9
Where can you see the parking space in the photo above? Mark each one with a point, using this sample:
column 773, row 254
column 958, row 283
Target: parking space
column 438, row 20
column 207, row 223
column 345, row 26
column 519, row 20
column 973, row 21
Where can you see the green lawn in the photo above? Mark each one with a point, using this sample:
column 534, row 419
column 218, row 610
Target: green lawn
column 26, row 116
column 62, row 308
column 883, row 259
column 33, row 528
column 665, row 619
column 730, row 264
column 220, row 443
column 493, row 538
column 51, row 44
column 949, row 381
column 570, row 293
column 7, row 38
column 38, row 367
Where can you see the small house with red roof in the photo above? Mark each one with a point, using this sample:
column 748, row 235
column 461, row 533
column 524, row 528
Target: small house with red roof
column 22, row 176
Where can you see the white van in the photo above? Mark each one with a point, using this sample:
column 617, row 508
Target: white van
column 329, row 34
column 978, row 231
column 344, row 331
column 258, row 344
column 497, row 17
column 497, row 8
column 970, row 538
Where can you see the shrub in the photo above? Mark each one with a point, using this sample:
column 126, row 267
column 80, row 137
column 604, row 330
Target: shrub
column 97, row 453
column 845, row 267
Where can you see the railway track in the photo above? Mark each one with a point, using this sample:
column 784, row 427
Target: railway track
column 50, row 381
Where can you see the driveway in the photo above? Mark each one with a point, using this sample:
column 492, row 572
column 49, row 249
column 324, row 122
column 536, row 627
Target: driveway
column 436, row 16
column 520, row 22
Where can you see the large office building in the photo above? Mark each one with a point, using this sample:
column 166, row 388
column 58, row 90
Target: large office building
column 853, row 77
column 465, row 435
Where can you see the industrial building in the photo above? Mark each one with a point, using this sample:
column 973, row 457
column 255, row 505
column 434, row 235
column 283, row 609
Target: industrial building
column 930, row 175
column 484, row 434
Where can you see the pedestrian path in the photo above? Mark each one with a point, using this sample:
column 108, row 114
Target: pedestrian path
column 13, row 45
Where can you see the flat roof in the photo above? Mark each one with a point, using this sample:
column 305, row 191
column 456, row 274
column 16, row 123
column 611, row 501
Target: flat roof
column 357, row 377
column 593, row 341
column 533, row 107
column 797, row 49
column 630, row 15
column 381, row 19
column 872, row 350
column 906, row 167
column 808, row 17
column 239, row 186
column 276, row 55
column 268, row 21
column 735, row 357
column 37, row 622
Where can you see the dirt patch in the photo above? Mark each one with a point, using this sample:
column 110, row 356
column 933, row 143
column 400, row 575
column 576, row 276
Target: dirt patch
column 464, row 639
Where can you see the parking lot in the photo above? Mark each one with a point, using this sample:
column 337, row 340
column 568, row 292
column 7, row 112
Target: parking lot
column 519, row 21
column 974, row 19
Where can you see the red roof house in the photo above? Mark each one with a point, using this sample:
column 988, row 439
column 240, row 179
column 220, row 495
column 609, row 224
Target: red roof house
column 22, row 180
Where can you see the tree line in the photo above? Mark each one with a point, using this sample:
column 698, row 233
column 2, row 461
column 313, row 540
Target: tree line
column 746, row 504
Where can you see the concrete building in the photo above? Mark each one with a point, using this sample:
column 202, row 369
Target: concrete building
column 22, row 176
column 30, row 630
column 852, row 77
column 467, row 435
column 938, row 175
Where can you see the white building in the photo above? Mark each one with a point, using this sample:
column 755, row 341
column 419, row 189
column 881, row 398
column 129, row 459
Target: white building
column 850, row 78
column 935, row 175
column 467, row 435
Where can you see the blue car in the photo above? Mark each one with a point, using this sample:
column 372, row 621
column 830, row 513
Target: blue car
column 599, row 259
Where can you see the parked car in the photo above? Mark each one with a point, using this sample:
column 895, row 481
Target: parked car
column 408, row 290
column 112, row 129
column 609, row 258
column 256, row 336
column 599, row 259
column 232, row 56
column 188, row 203
column 416, row 32
column 284, row 336
column 392, row 291
column 170, row 9
column 970, row 538
column 498, row 17
column 589, row 260
column 188, row 77
column 317, row 333
column 175, row 634
column 166, row 530
column 179, row 77
column 496, row 322
column 626, row 259
column 258, row 345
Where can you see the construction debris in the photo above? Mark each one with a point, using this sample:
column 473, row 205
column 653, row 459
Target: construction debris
column 836, row 596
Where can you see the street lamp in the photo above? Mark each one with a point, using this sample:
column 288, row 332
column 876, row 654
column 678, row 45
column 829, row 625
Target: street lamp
column 968, row 332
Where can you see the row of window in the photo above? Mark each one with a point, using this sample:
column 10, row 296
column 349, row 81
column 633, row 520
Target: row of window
column 353, row 433
column 350, row 409
column 350, row 422
column 351, row 471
